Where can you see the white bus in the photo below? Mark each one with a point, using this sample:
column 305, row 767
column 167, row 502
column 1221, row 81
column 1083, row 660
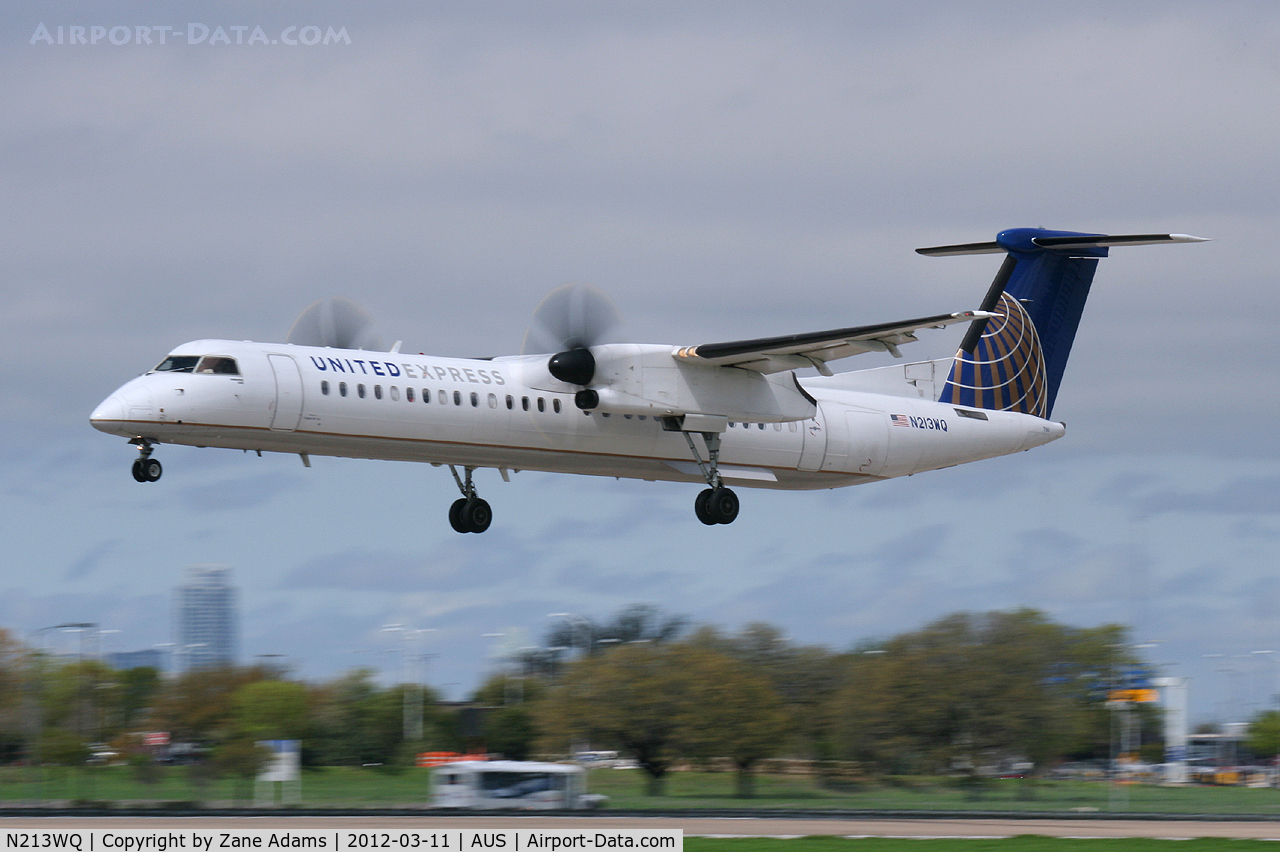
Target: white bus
column 511, row 785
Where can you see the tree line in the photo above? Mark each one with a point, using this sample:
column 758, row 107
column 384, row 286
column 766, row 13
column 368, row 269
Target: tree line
column 963, row 694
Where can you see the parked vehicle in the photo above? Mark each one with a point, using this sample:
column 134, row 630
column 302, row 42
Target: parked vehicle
column 511, row 785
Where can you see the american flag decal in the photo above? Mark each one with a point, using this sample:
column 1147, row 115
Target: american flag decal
column 900, row 420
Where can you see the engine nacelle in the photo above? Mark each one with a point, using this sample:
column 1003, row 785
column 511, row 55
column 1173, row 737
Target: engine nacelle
column 647, row 379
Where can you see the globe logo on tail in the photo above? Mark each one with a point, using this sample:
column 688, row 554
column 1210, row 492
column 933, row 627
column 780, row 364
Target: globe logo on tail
column 1006, row 370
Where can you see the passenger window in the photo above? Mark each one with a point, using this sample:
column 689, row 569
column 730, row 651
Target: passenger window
column 426, row 395
column 555, row 405
column 342, row 388
column 626, row 417
column 377, row 391
column 542, row 404
column 444, row 397
column 493, row 400
column 511, row 402
column 360, row 390
column 394, row 393
column 792, row 426
column 524, row 403
column 457, row 397
column 324, row 387
column 760, row 426
column 475, row 400
column 408, row 394
column 177, row 364
column 218, row 365
column 777, row 427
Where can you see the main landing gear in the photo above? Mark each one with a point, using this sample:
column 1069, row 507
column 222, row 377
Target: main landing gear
column 717, row 504
column 468, row 514
column 145, row 468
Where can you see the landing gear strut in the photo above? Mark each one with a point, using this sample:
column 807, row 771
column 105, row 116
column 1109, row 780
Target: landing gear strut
column 468, row 514
column 717, row 504
column 145, row 468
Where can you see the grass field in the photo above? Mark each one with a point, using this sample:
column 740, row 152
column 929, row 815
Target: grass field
column 356, row 787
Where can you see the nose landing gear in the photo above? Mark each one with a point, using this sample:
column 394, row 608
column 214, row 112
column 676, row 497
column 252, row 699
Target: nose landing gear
column 145, row 468
column 468, row 514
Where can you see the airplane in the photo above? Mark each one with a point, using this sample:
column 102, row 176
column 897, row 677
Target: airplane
column 713, row 413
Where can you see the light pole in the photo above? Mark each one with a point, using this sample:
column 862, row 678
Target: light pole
column 36, row 684
column 411, row 688
column 1269, row 656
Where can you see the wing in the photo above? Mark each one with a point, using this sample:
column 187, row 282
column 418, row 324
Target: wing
column 816, row 348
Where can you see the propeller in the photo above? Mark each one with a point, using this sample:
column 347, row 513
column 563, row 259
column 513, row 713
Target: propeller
column 336, row 322
column 569, row 321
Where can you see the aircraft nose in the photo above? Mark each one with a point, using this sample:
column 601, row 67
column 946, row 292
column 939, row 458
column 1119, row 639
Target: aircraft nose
column 109, row 414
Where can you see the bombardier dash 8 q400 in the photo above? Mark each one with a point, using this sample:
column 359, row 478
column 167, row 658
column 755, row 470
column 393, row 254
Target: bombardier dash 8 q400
column 712, row 413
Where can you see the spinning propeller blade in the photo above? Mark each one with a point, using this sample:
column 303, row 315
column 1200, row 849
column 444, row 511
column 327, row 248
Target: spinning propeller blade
column 574, row 316
column 338, row 323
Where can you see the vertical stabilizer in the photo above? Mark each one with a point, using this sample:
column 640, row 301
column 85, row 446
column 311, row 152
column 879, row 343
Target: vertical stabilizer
column 1015, row 362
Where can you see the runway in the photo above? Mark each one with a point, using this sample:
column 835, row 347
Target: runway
column 695, row 826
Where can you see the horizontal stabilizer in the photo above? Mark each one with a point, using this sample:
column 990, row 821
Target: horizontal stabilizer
column 1076, row 241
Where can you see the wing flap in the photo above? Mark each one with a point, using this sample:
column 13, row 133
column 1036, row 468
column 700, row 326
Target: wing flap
column 816, row 348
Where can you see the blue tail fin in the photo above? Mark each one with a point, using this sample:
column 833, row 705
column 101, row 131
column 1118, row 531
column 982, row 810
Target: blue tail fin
column 1015, row 362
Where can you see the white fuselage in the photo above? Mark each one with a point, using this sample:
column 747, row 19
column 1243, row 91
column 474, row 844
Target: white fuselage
column 500, row 414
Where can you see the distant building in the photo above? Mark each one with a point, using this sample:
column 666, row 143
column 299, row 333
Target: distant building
column 150, row 658
column 206, row 623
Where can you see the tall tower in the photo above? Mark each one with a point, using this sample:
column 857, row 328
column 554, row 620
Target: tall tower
column 206, row 621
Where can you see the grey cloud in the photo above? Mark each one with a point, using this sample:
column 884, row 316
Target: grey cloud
column 1255, row 495
column 89, row 561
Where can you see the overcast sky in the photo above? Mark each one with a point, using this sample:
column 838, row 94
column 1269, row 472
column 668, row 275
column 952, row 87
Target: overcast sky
column 723, row 170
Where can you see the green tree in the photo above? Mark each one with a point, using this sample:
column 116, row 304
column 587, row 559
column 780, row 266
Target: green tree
column 15, row 691
column 510, row 725
column 199, row 705
column 971, row 690
column 138, row 688
column 805, row 679
column 658, row 702
column 355, row 722
column 270, row 710
column 728, row 711
column 628, row 697
column 242, row 759
column 1264, row 734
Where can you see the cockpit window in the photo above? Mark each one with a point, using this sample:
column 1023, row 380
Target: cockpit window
column 177, row 364
column 218, row 364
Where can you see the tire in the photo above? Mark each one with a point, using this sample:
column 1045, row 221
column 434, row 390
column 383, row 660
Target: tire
column 151, row 469
column 477, row 514
column 723, row 505
column 455, row 516
column 702, row 510
column 138, row 472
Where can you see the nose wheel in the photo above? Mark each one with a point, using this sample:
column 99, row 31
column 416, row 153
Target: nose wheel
column 145, row 468
column 469, row 513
